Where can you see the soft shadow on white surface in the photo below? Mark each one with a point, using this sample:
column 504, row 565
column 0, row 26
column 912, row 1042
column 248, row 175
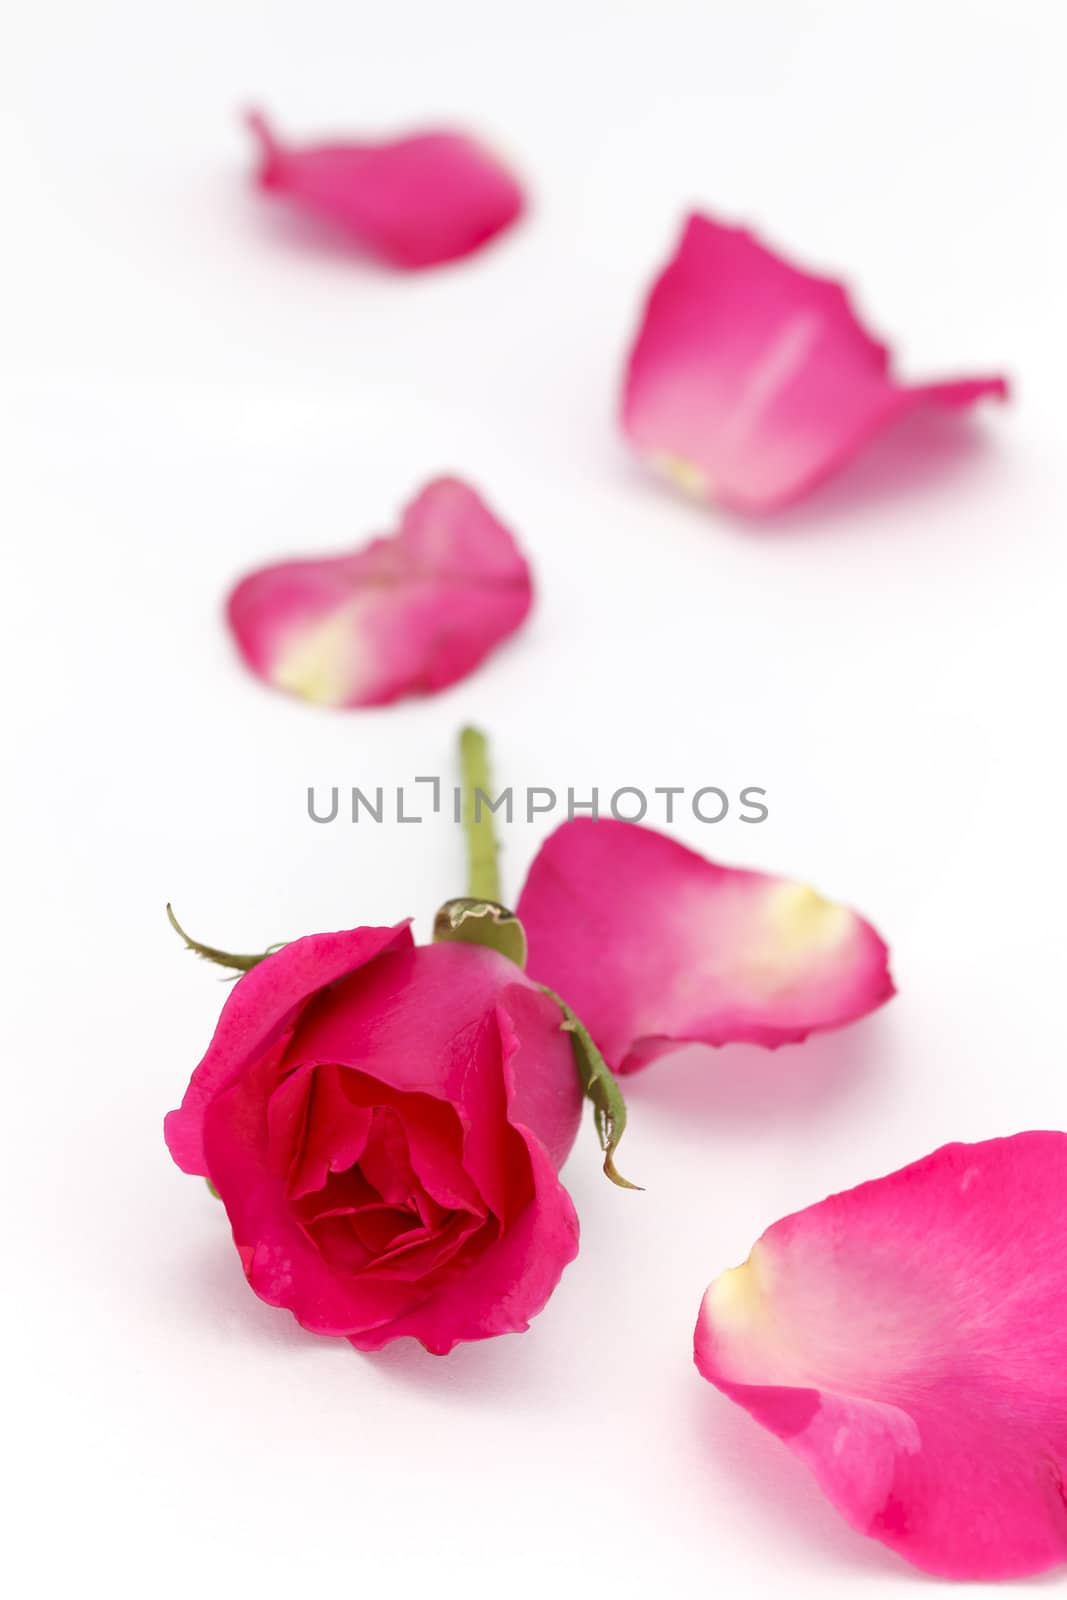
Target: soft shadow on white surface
column 212, row 1291
column 271, row 222
column 745, row 1462
column 743, row 1083
column 927, row 456
column 514, row 1373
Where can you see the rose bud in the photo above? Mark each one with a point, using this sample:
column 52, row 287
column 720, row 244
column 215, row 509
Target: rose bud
column 384, row 1124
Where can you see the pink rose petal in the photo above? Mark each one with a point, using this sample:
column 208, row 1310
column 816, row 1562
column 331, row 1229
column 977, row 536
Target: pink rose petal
column 751, row 381
column 511, row 1283
column 413, row 202
column 408, row 614
column 260, row 1014
column 908, row 1341
column 654, row 946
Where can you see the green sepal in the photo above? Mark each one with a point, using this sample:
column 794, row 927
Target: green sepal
column 484, row 922
column 599, row 1085
column 220, row 958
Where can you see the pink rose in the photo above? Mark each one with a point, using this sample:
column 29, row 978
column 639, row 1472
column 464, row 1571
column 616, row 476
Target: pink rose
column 384, row 1125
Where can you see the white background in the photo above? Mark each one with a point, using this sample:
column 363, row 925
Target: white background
column 189, row 388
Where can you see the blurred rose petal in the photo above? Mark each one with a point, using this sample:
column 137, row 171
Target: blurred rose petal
column 752, row 381
column 408, row 614
column 655, row 947
column 907, row 1340
column 413, row 202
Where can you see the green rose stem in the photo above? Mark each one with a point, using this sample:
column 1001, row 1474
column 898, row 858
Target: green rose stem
column 483, row 873
column 481, row 919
